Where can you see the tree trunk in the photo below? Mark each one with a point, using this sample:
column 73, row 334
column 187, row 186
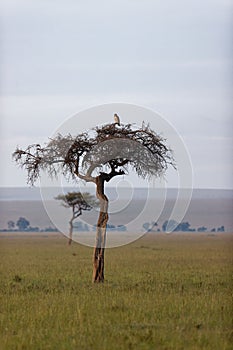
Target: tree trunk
column 70, row 232
column 98, row 255
column 75, row 215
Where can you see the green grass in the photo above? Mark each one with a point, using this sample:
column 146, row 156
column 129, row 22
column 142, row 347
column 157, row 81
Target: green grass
column 162, row 292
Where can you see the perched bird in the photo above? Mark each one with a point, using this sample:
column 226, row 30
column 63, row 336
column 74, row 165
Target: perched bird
column 116, row 119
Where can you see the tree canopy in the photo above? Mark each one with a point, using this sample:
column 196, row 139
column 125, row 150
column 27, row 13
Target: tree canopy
column 112, row 148
column 77, row 200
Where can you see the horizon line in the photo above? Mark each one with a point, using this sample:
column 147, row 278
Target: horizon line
column 137, row 187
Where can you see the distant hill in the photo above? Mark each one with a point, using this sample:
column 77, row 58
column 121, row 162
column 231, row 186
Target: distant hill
column 208, row 208
column 34, row 193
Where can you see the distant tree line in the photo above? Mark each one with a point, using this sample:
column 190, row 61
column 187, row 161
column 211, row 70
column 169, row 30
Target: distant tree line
column 172, row 225
column 23, row 225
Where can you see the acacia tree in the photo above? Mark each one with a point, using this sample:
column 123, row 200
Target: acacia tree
column 78, row 202
column 22, row 224
column 11, row 225
column 98, row 156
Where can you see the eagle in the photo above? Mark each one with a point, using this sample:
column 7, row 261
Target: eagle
column 116, row 119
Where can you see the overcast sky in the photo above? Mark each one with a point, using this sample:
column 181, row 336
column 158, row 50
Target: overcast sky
column 60, row 57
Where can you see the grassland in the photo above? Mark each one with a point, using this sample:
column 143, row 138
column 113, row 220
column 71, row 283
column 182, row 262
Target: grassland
column 162, row 292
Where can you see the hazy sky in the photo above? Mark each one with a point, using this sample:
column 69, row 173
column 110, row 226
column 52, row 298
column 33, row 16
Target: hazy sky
column 59, row 57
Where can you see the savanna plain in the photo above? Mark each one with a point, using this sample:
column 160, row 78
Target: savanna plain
column 161, row 292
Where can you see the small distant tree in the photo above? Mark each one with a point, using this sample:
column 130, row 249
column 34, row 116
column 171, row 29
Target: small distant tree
column 153, row 225
column 183, row 226
column 150, row 226
column 146, row 226
column 11, row 225
column 169, row 225
column 78, row 202
column 202, row 229
column 22, row 224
